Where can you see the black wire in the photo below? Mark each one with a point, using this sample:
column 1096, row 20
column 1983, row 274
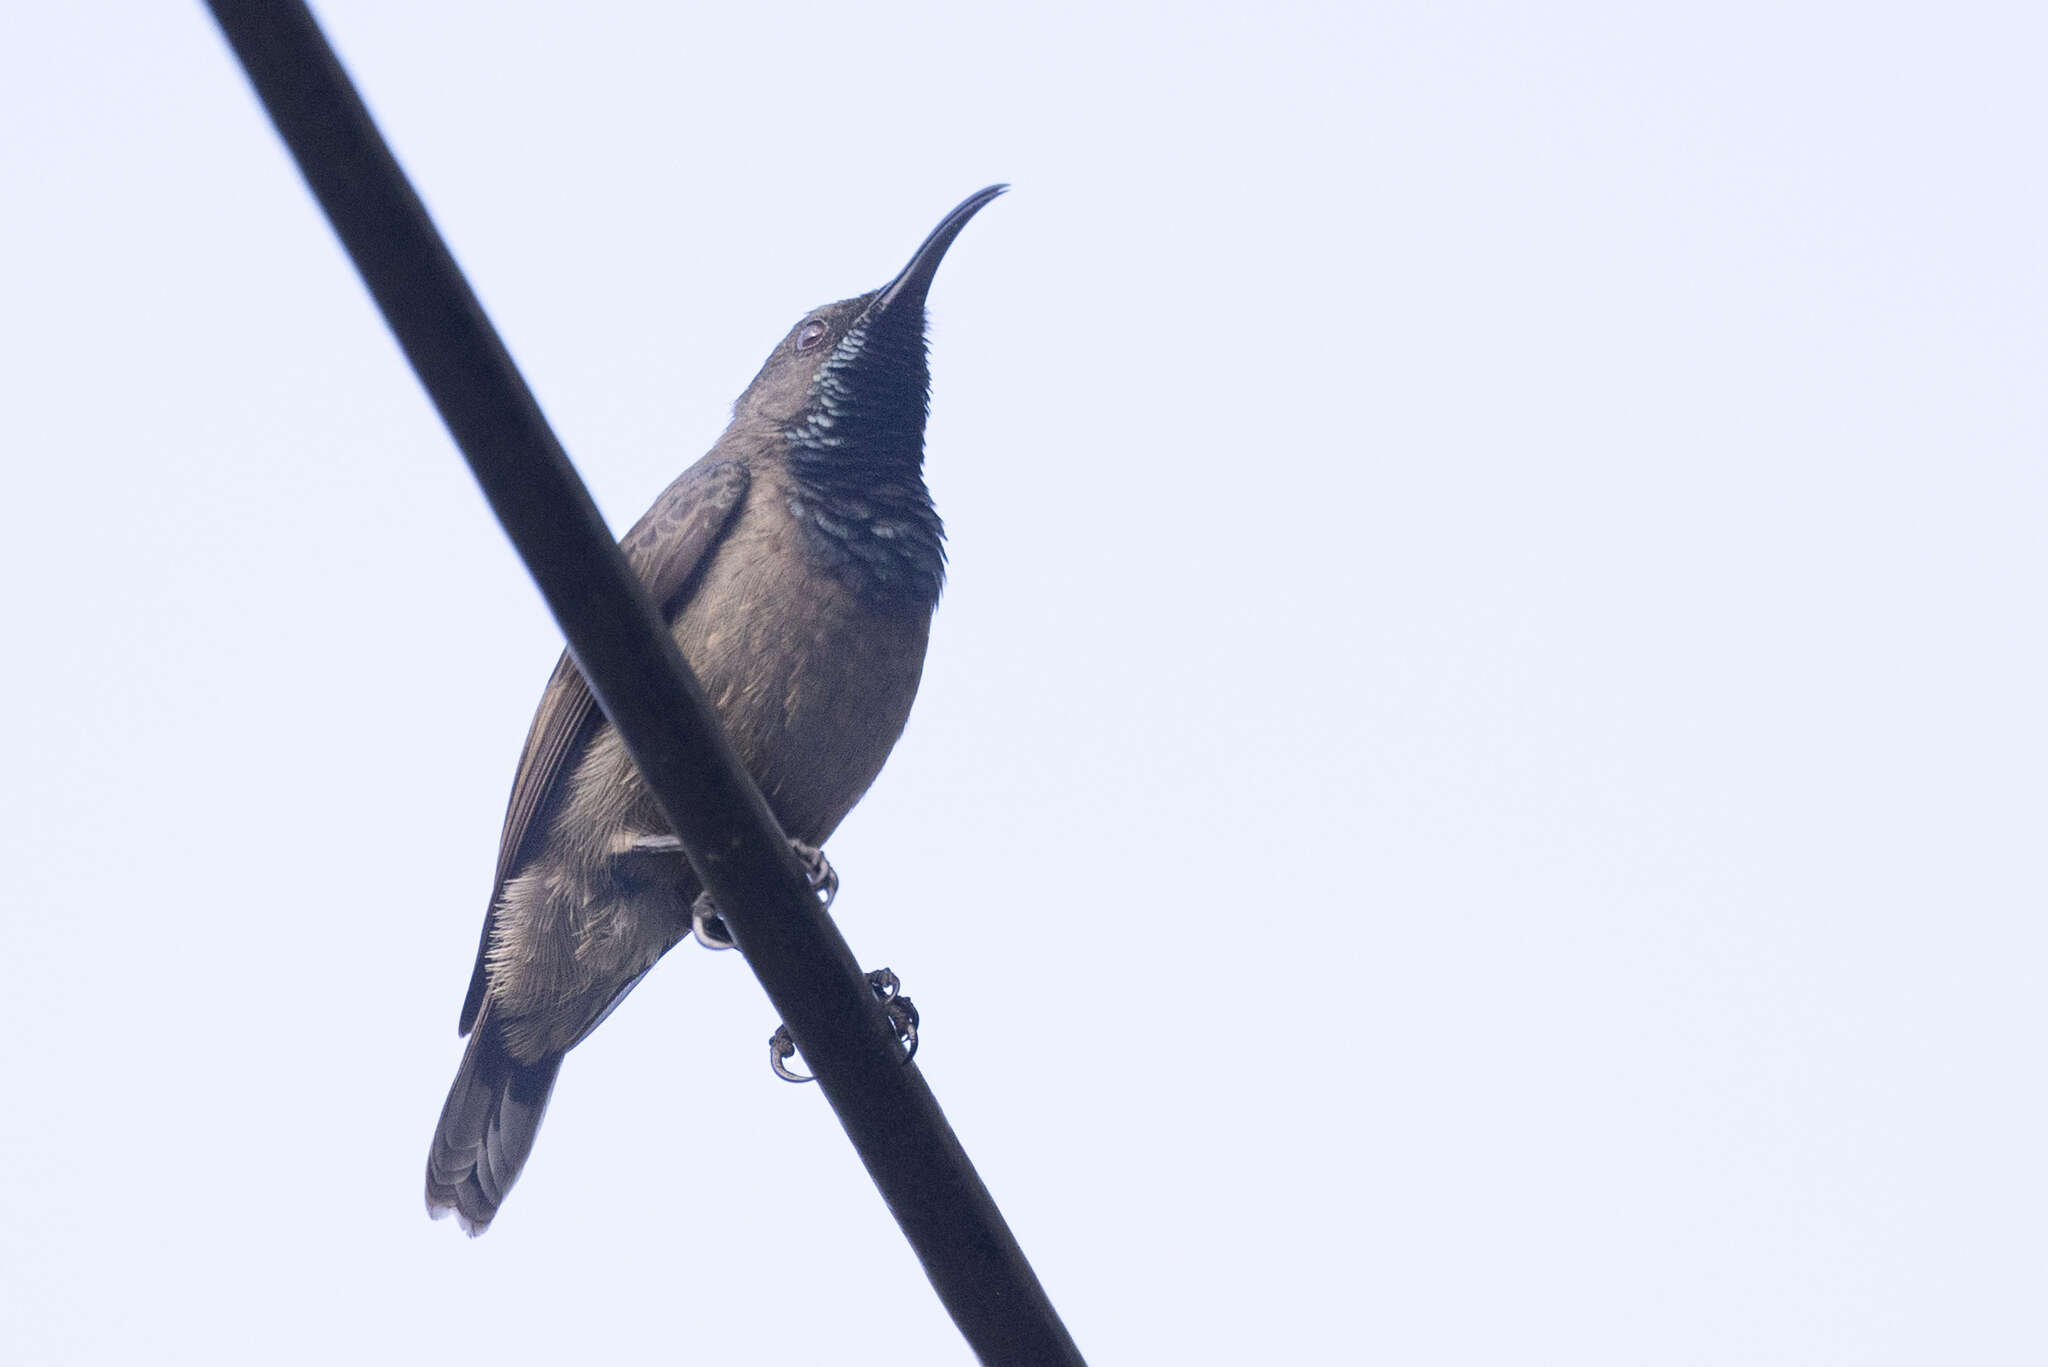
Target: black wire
column 640, row 680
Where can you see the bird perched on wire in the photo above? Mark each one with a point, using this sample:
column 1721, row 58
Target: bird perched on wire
column 797, row 564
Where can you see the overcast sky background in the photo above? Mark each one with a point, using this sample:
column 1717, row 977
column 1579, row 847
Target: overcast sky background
column 1478, row 795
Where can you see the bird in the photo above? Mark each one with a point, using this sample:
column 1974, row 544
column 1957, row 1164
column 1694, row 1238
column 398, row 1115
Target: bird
column 798, row 565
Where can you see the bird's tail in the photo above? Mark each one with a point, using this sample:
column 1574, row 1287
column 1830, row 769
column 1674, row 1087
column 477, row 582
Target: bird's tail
column 486, row 1130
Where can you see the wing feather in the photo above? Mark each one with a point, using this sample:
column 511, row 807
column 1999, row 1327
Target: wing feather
column 666, row 547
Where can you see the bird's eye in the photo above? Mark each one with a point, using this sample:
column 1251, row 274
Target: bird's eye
column 810, row 334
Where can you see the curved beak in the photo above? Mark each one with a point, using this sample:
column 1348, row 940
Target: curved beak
column 915, row 279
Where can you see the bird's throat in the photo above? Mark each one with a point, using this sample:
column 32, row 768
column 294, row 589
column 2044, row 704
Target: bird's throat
column 876, row 530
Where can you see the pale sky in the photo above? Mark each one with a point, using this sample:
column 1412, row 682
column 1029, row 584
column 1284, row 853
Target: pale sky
column 1478, row 793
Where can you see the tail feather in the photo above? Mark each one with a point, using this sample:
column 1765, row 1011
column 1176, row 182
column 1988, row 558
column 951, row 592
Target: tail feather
column 486, row 1130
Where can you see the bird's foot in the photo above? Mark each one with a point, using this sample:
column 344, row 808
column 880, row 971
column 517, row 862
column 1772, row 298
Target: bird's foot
column 818, row 869
column 781, row 1049
column 707, row 925
column 705, row 922
column 888, row 990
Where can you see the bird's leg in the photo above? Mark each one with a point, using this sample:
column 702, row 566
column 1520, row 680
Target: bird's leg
column 652, row 858
column 888, row 989
column 663, row 855
column 660, row 858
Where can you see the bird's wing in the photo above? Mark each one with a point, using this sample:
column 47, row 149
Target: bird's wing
column 666, row 547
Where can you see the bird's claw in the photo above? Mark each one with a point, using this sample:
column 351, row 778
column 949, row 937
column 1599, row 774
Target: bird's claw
column 888, row 990
column 707, row 925
column 781, row 1049
column 824, row 879
column 705, row 922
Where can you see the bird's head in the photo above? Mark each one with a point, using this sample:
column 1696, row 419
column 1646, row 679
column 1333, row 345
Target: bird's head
column 849, row 386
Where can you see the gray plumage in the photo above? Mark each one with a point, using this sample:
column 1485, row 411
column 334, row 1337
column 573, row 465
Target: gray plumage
column 798, row 564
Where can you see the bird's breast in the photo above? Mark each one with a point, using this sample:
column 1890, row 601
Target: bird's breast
column 812, row 680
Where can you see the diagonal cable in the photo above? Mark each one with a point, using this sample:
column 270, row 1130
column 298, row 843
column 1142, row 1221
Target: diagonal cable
column 640, row 680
